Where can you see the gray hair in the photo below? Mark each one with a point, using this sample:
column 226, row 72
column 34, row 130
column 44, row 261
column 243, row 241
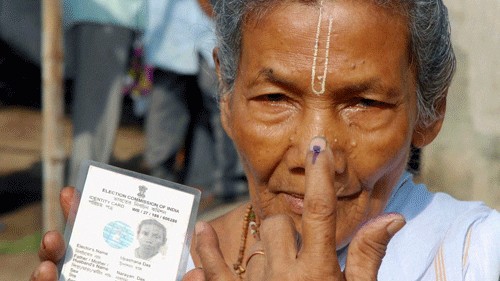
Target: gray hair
column 430, row 47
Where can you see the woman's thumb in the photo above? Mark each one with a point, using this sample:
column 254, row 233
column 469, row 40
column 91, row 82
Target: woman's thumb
column 368, row 246
column 208, row 250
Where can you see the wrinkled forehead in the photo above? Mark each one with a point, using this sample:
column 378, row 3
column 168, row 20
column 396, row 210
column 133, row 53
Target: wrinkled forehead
column 256, row 9
column 377, row 14
column 323, row 43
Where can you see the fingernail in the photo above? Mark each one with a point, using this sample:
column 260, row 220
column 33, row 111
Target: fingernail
column 317, row 145
column 42, row 243
column 395, row 226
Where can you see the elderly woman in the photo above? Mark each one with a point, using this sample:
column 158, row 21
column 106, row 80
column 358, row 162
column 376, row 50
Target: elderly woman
column 323, row 100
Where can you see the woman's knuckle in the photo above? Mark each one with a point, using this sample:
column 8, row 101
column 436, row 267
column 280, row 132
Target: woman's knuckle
column 319, row 207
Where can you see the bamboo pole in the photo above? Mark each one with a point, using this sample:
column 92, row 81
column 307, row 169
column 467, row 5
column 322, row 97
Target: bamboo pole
column 53, row 149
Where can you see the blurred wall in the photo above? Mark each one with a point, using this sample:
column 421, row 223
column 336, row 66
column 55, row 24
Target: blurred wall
column 465, row 158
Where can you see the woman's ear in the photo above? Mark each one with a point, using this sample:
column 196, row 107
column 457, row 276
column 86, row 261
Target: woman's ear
column 215, row 56
column 225, row 116
column 425, row 134
column 224, row 96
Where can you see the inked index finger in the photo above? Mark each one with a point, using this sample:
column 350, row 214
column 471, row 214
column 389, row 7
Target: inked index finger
column 319, row 216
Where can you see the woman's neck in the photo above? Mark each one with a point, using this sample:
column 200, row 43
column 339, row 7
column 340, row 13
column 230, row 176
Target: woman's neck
column 229, row 229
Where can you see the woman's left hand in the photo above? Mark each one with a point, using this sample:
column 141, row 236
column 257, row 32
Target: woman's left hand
column 52, row 246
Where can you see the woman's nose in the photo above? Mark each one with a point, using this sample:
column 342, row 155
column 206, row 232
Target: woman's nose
column 317, row 123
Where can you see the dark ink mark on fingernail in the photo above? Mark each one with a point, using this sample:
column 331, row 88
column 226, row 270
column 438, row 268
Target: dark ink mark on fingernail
column 316, row 150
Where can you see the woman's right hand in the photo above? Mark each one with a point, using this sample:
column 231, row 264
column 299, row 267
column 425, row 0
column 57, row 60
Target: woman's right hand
column 281, row 257
column 52, row 246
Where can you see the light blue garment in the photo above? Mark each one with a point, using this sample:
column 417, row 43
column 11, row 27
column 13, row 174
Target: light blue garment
column 178, row 32
column 443, row 239
column 125, row 13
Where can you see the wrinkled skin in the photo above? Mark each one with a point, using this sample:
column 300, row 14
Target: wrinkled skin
column 368, row 118
column 367, row 115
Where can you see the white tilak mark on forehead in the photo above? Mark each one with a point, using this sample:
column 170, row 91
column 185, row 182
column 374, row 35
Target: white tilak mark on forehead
column 321, row 80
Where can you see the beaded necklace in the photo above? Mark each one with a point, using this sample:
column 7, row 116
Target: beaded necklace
column 249, row 221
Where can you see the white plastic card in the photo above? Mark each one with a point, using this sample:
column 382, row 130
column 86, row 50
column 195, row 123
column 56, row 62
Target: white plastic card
column 128, row 226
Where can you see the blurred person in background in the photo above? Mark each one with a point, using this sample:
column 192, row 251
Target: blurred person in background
column 100, row 35
column 178, row 44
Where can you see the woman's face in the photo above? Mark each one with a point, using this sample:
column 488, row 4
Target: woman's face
column 150, row 237
column 367, row 111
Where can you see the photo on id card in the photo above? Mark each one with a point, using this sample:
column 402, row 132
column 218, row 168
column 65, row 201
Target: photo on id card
column 128, row 226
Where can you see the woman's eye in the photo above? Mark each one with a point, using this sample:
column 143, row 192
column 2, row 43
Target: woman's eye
column 274, row 97
column 370, row 103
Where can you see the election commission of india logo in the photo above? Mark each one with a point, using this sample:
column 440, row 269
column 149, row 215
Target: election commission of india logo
column 118, row 234
column 142, row 191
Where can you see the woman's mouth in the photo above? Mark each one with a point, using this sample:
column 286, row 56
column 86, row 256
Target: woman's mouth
column 296, row 201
